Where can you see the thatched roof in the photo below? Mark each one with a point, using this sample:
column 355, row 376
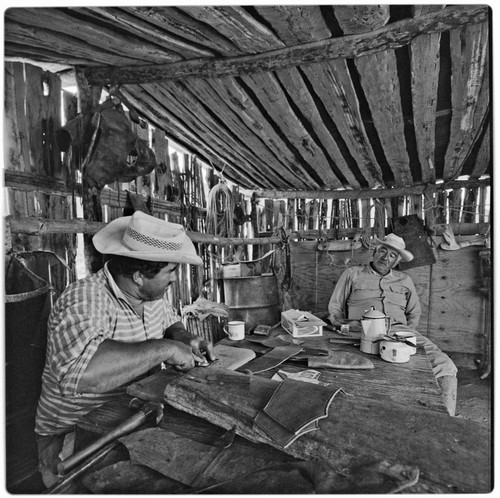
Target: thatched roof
column 289, row 97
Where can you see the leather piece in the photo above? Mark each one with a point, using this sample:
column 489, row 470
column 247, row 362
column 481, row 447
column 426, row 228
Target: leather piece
column 310, row 403
column 277, row 432
column 276, row 341
column 168, row 453
column 340, row 359
column 272, row 359
column 307, row 352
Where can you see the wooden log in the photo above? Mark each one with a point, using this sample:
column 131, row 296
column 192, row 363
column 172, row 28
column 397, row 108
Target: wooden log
column 275, row 100
column 361, row 18
column 187, row 28
column 392, row 36
column 341, row 233
column 295, row 24
column 243, row 107
column 237, row 25
column 369, row 193
column 424, row 86
column 333, row 79
column 380, row 71
column 470, row 93
column 483, row 158
column 177, row 98
column 40, row 226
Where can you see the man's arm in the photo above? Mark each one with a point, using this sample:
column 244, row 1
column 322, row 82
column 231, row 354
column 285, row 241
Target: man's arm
column 116, row 363
column 413, row 309
column 338, row 300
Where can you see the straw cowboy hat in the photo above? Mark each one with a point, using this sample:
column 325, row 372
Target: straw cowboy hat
column 142, row 236
column 397, row 243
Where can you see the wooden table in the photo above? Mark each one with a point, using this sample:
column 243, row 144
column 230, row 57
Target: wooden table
column 393, row 412
column 410, row 384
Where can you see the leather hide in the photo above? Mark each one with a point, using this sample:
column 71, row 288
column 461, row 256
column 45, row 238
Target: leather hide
column 411, row 228
column 109, row 148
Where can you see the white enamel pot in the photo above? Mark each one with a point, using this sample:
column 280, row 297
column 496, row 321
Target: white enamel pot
column 395, row 352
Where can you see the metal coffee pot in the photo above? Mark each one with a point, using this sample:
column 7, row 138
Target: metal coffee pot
column 375, row 325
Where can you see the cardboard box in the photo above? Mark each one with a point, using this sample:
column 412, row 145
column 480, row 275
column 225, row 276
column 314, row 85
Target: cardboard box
column 302, row 323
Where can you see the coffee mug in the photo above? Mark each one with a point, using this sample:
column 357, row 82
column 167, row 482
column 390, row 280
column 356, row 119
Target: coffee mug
column 235, row 330
column 410, row 337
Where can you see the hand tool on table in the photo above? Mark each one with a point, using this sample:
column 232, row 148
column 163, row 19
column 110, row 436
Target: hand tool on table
column 143, row 412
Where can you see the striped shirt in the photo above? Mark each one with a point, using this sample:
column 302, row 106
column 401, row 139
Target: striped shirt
column 88, row 312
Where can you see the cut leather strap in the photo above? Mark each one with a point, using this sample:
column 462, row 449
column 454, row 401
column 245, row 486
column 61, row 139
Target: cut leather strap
column 272, row 359
column 275, row 341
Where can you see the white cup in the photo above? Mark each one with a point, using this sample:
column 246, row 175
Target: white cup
column 235, row 330
column 410, row 337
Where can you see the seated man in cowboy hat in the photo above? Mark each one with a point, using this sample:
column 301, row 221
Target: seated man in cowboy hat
column 110, row 328
column 393, row 293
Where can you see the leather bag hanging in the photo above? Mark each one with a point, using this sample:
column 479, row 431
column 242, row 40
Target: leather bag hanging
column 411, row 228
column 111, row 149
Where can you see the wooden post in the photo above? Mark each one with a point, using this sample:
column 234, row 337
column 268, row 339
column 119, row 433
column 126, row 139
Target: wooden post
column 88, row 99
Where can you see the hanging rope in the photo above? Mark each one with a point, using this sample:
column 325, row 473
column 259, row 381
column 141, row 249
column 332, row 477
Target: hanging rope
column 220, row 210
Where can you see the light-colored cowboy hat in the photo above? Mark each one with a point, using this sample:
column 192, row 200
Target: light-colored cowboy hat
column 142, row 236
column 397, row 243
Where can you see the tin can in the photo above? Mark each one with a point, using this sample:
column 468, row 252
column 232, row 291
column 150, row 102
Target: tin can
column 344, row 328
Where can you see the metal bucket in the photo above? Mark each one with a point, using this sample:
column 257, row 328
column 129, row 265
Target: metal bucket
column 254, row 300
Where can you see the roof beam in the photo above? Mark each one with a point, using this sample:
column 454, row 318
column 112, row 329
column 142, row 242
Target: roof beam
column 380, row 193
column 391, row 36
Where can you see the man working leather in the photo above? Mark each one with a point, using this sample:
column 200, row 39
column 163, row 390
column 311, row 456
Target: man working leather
column 110, row 328
column 393, row 293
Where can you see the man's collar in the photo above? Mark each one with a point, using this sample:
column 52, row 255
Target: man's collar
column 375, row 272
column 112, row 284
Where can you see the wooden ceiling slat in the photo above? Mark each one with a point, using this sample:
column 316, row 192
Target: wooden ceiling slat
column 232, row 118
column 420, row 10
column 94, row 35
column 390, row 37
column 68, row 48
column 178, row 131
column 274, row 100
column 179, row 23
column 332, row 83
column 139, row 28
column 295, row 24
column 29, row 54
column 179, row 100
column 293, row 82
column 361, row 18
column 379, row 79
column 469, row 54
column 228, row 89
column 424, row 88
column 237, row 25
column 483, row 159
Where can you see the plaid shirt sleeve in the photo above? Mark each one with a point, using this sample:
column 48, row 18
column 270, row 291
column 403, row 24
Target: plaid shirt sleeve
column 79, row 322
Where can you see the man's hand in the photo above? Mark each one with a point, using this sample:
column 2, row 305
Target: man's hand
column 202, row 349
column 181, row 356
